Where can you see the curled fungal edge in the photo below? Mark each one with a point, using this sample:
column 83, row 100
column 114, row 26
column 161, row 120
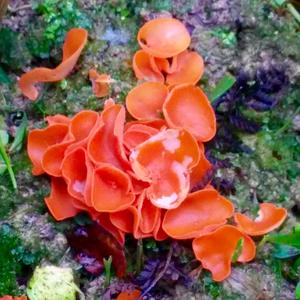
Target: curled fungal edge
column 74, row 43
column 269, row 218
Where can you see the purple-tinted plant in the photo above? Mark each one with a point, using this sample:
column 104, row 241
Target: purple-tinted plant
column 260, row 92
column 165, row 270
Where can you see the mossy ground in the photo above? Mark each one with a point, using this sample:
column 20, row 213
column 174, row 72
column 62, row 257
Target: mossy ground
column 32, row 36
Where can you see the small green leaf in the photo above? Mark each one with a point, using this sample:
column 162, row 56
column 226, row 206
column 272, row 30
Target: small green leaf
column 284, row 251
column 290, row 239
column 297, row 291
column 107, row 267
column 238, row 250
column 7, row 162
column 20, row 135
column 224, row 84
column 279, row 3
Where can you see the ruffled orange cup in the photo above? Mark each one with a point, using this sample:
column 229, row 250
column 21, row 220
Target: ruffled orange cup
column 201, row 212
column 165, row 161
column 40, row 140
column 189, row 69
column 269, row 218
column 215, row 250
column 74, row 43
column 100, row 83
column 106, row 143
column 188, row 107
column 145, row 68
column 145, row 101
column 111, row 189
column 60, row 203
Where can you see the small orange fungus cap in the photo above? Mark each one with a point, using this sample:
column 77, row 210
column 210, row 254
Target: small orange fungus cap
column 60, row 202
column 106, row 143
column 111, row 189
column 199, row 213
column 126, row 220
column 165, row 161
column 150, row 214
column 39, row 141
column 77, row 171
column 75, row 41
column 190, row 68
column 188, row 107
column 269, row 218
column 146, row 100
column 83, row 123
column 132, row 295
column 215, row 250
column 53, row 158
column 136, row 134
column 100, row 83
column 145, row 68
column 164, row 37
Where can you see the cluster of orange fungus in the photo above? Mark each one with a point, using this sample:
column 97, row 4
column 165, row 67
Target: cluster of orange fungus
column 136, row 177
column 164, row 56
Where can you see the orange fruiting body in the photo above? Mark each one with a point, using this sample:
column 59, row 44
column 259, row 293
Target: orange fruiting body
column 136, row 177
column 74, row 43
column 269, row 218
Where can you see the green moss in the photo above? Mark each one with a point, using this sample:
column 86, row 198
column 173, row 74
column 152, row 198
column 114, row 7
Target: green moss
column 13, row 52
column 56, row 18
column 15, row 260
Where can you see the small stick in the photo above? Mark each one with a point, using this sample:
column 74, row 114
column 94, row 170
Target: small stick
column 160, row 275
column 3, row 7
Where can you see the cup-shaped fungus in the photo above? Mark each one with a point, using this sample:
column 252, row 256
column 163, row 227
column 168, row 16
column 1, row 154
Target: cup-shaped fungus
column 201, row 212
column 188, row 107
column 145, row 68
column 111, row 189
column 215, row 250
column 74, row 43
column 145, row 101
column 100, row 83
column 164, row 37
column 269, row 218
column 189, row 69
column 165, row 161
column 60, row 202
column 39, row 141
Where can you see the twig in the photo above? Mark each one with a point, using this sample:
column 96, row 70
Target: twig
column 290, row 7
column 18, row 8
column 140, row 258
column 160, row 274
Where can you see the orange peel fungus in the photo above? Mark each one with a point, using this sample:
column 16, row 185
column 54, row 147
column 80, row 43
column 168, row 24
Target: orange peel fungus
column 269, row 218
column 74, row 43
column 141, row 177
